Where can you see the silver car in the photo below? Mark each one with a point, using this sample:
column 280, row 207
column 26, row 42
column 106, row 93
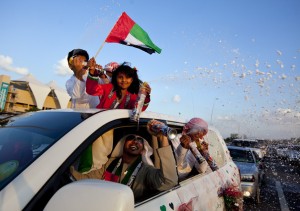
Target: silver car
column 251, row 173
column 250, row 143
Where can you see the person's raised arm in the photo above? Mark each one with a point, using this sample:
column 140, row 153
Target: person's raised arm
column 92, row 86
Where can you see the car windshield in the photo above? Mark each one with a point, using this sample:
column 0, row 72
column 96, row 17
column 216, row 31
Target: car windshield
column 25, row 137
column 241, row 155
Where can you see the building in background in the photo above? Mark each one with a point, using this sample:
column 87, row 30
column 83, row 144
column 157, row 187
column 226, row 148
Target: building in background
column 28, row 94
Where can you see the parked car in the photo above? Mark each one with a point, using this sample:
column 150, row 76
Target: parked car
column 281, row 151
column 250, row 143
column 271, row 152
column 38, row 148
column 293, row 154
column 250, row 169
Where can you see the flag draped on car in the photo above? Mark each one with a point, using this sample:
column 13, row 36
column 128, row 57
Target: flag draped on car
column 127, row 32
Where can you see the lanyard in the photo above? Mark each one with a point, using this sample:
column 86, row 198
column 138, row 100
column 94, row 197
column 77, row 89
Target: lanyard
column 129, row 177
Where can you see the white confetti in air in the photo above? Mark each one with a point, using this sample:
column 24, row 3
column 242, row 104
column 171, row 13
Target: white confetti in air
column 243, row 75
column 258, row 72
column 235, row 74
column 257, row 63
column 269, row 75
column 279, row 52
column 176, row 98
column 280, row 63
column 293, row 67
column 261, row 82
column 297, row 78
column 283, row 76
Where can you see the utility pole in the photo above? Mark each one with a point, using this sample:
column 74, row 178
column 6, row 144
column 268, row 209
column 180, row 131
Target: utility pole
column 212, row 110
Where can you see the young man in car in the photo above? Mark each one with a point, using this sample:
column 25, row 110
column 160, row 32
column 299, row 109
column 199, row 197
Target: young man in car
column 132, row 168
column 190, row 149
column 193, row 137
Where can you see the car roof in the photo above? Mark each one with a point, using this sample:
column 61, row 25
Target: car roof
column 249, row 140
column 239, row 148
column 76, row 110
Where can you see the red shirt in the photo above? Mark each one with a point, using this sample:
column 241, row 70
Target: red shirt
column 108, row 97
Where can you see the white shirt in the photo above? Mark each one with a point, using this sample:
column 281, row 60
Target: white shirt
column 77, row 91
column 185, row 159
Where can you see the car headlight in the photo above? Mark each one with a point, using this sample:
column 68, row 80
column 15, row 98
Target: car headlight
column 248, row 178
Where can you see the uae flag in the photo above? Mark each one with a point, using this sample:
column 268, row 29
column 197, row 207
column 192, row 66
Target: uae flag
column 127, row 32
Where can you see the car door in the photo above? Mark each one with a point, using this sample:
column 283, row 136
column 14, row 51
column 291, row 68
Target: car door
column 112, row 131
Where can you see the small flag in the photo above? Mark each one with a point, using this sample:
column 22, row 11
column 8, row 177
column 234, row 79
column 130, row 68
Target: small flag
column 127, row 32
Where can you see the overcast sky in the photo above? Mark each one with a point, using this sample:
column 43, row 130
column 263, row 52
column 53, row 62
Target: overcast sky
column 233, row 63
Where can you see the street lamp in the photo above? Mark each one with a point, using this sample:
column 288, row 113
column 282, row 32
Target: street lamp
column 212, row 110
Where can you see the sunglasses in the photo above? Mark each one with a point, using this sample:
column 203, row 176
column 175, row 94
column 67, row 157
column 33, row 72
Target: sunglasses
column 135, row 138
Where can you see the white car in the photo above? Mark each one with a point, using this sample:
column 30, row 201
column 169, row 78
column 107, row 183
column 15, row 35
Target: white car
column 38, row 148
column 293, row 154
column 282, row 151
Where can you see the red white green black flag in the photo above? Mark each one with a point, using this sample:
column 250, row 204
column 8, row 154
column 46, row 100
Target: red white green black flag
column 127, row 32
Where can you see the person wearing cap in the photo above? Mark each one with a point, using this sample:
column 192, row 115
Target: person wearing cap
column 130, row 164
column 123, row 90
column 78, row 61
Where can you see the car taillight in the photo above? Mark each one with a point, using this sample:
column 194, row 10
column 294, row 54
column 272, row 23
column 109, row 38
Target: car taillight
column 248, row 178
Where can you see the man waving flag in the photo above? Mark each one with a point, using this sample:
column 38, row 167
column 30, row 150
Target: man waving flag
column 127, row 32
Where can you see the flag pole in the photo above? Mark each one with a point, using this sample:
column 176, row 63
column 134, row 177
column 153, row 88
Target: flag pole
column 104, row 41
column 99, row 49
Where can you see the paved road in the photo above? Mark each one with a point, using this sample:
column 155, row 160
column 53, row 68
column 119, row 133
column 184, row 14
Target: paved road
column 281, row 188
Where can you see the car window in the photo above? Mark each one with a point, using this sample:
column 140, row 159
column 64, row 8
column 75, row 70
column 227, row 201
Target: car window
column 241, row 155
column 95, row 155
column 19, row 147
column 25, row 137
column 257, row 158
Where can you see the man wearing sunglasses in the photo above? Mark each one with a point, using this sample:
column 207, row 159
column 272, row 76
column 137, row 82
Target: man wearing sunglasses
column 130, row 164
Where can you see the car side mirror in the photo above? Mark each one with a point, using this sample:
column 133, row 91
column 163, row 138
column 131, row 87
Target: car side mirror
column 92, row 194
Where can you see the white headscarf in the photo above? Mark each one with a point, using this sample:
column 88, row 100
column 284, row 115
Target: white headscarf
column 195, row 125
column 147, row 152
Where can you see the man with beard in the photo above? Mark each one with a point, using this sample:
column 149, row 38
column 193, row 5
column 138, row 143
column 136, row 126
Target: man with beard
column 130, row 164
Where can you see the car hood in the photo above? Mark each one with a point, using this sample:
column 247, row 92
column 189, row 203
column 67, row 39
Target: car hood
column 247, row 168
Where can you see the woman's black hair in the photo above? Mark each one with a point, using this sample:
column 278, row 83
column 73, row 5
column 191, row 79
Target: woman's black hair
column 129, row 72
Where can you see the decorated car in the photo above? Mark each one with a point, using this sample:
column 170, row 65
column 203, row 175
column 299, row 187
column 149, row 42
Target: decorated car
column 37, row 150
